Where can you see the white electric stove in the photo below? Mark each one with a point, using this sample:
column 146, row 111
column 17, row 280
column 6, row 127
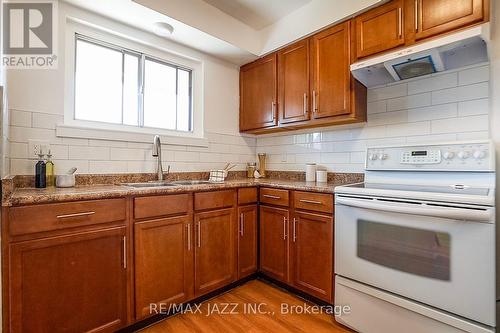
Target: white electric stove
column 415, row 243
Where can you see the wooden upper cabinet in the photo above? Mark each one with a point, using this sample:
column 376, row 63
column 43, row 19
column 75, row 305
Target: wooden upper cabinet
column 331, row 76
column 163, row 262
column 74, row 283
column 434, row 17
column 293, row 82
column 215, row 251
column 380, row 29
column 258, row 94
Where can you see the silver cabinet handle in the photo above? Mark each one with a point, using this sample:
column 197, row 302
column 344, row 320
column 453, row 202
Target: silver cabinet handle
column 400, row 24
column 273, row 109
column 188, row 226
column 315, row 107
column 416, row 15
column 124, row 248
column 242, row 223
column 271, row 196
column 284, row 227
column 199, row 234
column 311, row 202
column 294, row 229
column 67, row 216
column 305, row 103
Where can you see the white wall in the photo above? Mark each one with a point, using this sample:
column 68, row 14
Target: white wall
column 447, row 106
column 36, row 103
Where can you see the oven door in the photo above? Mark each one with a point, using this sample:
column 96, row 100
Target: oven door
column 440, row 255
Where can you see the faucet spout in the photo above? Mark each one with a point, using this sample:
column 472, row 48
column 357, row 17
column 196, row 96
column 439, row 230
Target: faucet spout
column 157, row 154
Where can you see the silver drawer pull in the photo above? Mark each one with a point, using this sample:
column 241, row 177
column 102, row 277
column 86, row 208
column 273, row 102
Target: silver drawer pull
column 271, row 196
column 311, row 202
column 67, row 216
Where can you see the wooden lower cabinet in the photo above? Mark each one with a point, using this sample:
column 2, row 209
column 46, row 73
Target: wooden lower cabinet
column 163, row 263
column 214, row 251
column 311, row 253
column 274, row 242
column 72, row 283
column 247, row 240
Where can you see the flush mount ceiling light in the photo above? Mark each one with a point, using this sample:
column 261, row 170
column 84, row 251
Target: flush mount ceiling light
column 163, row 29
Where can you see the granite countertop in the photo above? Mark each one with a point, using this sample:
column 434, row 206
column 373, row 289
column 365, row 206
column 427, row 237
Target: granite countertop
column 27, row 196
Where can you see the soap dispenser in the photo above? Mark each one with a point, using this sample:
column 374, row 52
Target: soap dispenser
column 40, row 181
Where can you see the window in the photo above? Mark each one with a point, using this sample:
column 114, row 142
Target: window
column 120, row 86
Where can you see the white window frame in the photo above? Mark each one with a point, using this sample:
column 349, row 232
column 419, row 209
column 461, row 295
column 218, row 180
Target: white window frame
column 77, row 128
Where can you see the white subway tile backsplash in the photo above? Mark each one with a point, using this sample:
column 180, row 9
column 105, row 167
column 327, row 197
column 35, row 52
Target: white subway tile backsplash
column 433, row 112
column 474, row 75
column 409, row 102
column 432, row 83
column 377, row 107
column 392, row 91
column 19, row 150
column 462, row 124
column 44, row 120
column 20, row 118
column 473, row 108
column 89, row 153
column 462, row 93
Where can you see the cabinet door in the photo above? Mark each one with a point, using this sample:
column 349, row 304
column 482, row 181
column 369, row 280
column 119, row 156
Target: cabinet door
column 74, row 283
column 380, row 29
column 215, row 252
column 293, row 82
column 433, row 17
column 247, row 241
column 330, row 71
column 258, row 94
column 274, row 242
column 163, row 263
column 312, row 254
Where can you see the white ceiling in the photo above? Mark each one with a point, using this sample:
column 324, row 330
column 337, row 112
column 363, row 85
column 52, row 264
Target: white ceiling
column 257, row 14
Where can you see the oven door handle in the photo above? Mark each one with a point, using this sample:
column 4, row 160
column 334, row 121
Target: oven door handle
column 458, row 213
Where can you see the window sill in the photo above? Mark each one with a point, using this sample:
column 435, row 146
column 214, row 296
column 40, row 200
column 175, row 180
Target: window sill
column 143, row 136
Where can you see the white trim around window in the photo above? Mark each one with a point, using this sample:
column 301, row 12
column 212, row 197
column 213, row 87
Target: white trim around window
column 105, row 131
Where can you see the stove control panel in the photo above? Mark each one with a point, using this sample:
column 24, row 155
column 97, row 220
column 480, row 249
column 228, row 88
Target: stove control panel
column 460, row 156
column 429, row 156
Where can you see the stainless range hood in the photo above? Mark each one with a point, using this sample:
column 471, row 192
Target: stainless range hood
column 467, row 47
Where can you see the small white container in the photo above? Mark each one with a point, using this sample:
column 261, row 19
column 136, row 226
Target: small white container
column 321, row 176
column 310, row 172
column 65, row 180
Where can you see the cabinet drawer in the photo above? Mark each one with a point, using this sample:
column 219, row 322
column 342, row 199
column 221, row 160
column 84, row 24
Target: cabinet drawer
column 318, row 202
column 247, row 195
column 214, row 200
column 273, row 196
column 39, row 218
column 161, row 205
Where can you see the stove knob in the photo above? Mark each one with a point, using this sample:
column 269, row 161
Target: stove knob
column 463, row 155
column 479, row 154
column 448, row 155
column 382, row 156
column 372, row 157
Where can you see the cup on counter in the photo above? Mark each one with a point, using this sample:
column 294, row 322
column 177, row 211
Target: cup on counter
column 310, row 172
column 65, row 180
column 321, row 176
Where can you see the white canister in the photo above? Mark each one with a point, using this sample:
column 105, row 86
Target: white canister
column 310, row 172
column 321, row 176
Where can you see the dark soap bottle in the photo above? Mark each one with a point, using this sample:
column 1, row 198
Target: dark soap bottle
column 40, row 180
